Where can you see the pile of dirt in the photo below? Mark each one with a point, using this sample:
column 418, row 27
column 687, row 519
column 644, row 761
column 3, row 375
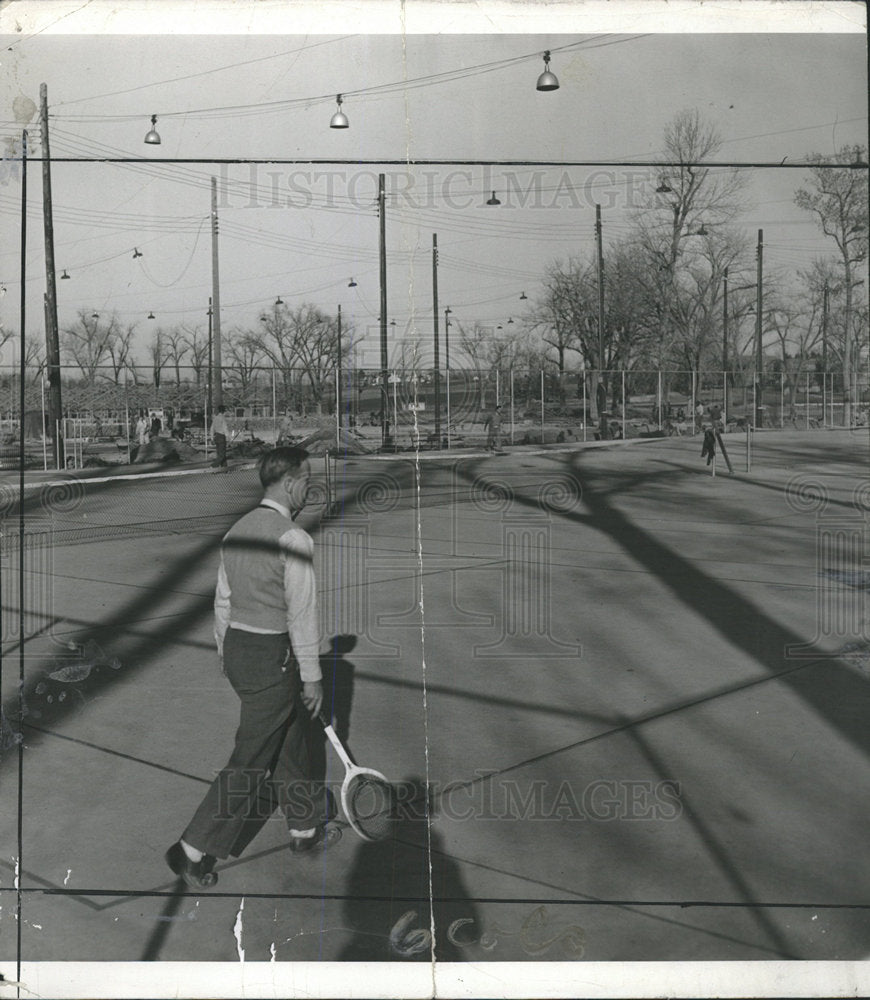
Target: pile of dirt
column 163, row 449
column 323, row 441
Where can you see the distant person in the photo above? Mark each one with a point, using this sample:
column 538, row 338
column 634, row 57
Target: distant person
column 716, row 416
column 219, row 431
column 492, row 426
column 156, row 426
column 699, row 415
column 142, row 429
column 285, row 429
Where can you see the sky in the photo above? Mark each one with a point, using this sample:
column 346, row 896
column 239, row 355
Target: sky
column 457, row 85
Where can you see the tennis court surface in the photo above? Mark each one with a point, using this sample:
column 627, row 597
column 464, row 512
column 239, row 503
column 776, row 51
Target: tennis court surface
column 624, row 703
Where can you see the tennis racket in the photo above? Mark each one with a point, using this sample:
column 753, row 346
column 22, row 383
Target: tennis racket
column 367, row 798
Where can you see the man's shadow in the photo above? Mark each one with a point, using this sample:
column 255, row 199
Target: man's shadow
column 389, row 908
column 337, row 697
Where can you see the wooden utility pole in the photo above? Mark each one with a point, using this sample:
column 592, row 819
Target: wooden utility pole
column 437, row 338
column 218, row 392
column 52, row 338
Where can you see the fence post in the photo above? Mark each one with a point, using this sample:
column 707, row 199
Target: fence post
column 337, row 413
column 725, row 397
column 274, row 405
column 623, row 404
column 127, row 418
column 512, row 402
column 542, row 406
column 44, row 434
column 694, row 423
column 659, row 399
column 807, row 401
column 584, row 404
column 748, row 447
column 781, row 400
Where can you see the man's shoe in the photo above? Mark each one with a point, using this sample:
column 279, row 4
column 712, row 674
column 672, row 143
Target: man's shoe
column 197, row 874
column 327, row 834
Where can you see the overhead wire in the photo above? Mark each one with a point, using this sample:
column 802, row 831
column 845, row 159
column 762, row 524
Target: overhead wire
column 376, row 90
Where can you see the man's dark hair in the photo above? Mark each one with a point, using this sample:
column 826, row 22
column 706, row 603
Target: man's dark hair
column 222, row 409
column 278, row 462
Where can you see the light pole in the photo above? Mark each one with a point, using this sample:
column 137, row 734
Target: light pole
column 435, row 334
column 759, row 357
column 601, row 392
column 447, row 313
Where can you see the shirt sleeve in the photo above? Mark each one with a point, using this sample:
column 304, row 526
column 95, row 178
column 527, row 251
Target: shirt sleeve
column 300, row 594
column 221, row 608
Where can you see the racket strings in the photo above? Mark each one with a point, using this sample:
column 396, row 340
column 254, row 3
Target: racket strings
column 371, row 802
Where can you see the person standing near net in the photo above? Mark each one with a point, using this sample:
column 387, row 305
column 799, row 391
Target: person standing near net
column 266, row 629
column 492, row 426
column 219, row 431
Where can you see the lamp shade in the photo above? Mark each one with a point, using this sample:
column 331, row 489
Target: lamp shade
column 339, row 119
column 153, row 136
column 547, row 80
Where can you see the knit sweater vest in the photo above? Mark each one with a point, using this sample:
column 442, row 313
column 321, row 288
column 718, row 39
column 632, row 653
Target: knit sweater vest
column 254, row 552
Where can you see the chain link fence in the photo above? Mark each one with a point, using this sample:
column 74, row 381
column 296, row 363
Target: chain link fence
column 100, row 411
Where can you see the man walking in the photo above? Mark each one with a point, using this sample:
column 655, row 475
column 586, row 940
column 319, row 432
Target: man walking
column 266, row 628
column 493, row 428
column 219, row 432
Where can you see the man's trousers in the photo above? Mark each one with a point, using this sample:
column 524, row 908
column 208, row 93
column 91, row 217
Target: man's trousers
column 269, row 763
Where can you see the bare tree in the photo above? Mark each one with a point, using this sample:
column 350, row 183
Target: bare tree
column 691, row 200
column 157, row 352
column 197, row 347
column 88, row 341
column 837, row 196
column 245, row 353
column 119, row 350
column 176, row 349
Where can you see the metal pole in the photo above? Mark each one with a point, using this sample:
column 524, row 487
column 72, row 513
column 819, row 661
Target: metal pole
column 693, row 403
column 437, row 359
column 759, row 357
column 52, row 343
column 623, row 404
column 274, row 404
column 807, row 401
column 216, row 297
column 395, row 404
column 512, row 402
column 781, row 400
column 337, row 414
column 584, row 405
column 542, row 406
column 447, row 312
column 748, row 446
column 44, row 431
column 659, row 399
column 497, row 400
column 338, row 404
column 601, row 395
column 127, row 416
column 385, row 418
column 22, row 320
